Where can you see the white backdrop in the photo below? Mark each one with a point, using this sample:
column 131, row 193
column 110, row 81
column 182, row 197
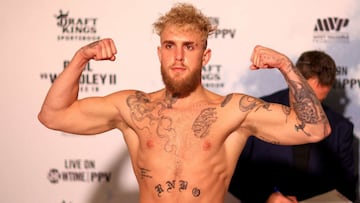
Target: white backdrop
column 38, row 37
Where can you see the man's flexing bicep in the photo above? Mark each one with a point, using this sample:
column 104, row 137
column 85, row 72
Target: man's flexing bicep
column 88, row 116
column 271, row 122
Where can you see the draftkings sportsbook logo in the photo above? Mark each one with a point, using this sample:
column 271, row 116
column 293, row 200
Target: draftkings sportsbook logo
column 331, row 29
column 212, row 76
column 76, row 29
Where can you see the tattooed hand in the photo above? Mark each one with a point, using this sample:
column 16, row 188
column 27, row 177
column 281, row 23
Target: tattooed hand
column 263, row 57
column 100, row 50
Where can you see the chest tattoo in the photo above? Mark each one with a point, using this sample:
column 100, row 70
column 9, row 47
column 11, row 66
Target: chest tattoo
column 149, row 115
column 203, row 122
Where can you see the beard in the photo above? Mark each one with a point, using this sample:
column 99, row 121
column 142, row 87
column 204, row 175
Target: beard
column 181, row 87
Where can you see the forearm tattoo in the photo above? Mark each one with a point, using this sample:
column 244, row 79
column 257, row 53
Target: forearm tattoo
column 171, row 185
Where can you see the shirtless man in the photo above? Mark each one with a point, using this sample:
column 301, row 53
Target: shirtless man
column 183, row 140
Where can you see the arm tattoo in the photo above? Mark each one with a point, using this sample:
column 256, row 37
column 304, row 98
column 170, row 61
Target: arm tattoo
column 305, row 105
column 286, row 111
column 203, row 122
column 248, row 103
column 226, row 100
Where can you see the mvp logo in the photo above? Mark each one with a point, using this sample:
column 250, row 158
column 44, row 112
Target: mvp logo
column 330, row 24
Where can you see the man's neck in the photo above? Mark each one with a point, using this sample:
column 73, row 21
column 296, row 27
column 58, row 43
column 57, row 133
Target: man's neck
column 192, row 97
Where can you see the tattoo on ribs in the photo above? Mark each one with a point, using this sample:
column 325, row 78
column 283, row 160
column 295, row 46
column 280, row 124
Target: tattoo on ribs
column 144, row 173
column 202, row 123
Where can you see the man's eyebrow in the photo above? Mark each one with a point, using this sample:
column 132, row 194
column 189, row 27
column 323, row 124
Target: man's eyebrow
column 190, row 43
column 185, row 42
column 168, row 42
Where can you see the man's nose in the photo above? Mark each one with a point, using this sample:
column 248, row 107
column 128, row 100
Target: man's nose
column 179, row 55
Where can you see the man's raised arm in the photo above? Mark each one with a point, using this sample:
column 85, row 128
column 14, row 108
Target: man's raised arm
column 63, row 93
column 311, row 119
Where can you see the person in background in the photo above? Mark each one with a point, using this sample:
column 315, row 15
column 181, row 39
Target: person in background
column 183, row 140
column 272, row 173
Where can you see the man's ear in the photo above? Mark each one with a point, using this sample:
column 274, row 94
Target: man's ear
column 206, row 56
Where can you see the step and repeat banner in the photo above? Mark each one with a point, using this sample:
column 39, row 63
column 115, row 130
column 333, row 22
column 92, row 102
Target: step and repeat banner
column 39, row 38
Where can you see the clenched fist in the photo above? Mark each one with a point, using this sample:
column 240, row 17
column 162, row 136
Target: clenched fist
column 263, row 57
column 103, row 49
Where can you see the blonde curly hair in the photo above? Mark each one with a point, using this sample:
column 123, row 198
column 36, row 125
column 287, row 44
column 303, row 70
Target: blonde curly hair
column 185, row 16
